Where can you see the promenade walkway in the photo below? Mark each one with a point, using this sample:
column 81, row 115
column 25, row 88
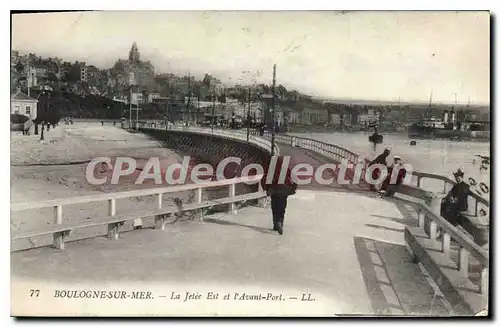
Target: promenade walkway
column 343, row 250
column 299, row 156
column 346, row 250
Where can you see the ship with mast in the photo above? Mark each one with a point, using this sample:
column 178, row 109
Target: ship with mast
column 449, row 127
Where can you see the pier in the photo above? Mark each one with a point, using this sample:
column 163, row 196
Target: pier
column 352, row 252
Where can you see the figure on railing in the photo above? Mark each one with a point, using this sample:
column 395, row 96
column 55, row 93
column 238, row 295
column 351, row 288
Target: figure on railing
column 381, row 160
column 456, row 200
column 398, row 166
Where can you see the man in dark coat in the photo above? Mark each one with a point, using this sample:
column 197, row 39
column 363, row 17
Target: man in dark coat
column 279, row 192
column 382, row 160
column 456, row 200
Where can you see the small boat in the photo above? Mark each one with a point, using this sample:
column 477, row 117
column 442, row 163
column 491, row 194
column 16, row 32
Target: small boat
column 376, row 138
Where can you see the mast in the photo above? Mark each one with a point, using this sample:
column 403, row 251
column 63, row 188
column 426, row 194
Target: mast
column 429, row 107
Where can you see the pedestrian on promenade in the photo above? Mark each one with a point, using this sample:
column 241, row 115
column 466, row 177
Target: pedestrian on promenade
column 380, row 160
column 262, row 128
column 102, row 122
column 398, row 166
column 278, row 192
column 456, row 200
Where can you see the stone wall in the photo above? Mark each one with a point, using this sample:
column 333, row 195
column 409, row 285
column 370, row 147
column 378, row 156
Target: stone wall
column 212, row 150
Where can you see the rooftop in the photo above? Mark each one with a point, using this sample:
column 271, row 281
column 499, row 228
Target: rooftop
column 20, row 96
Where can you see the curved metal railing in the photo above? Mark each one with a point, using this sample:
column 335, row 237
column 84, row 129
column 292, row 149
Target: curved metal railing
column 239, row 135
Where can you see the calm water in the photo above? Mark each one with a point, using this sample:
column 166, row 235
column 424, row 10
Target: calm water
column 441, row 157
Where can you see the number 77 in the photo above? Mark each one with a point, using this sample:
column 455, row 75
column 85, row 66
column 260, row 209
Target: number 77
column 35, row 293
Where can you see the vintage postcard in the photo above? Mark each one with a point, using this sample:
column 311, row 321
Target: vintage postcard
column 250, row 163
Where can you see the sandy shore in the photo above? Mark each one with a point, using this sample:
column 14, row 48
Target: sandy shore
column 55, row 168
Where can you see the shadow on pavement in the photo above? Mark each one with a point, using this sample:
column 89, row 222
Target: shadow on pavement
column 394, row 283
column 386, row 228
column 225, row 222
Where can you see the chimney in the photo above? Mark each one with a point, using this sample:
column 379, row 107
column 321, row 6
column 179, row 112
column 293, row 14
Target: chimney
column 445, row 117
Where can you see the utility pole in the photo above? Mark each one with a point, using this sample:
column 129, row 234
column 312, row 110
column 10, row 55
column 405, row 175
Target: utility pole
column 248, row 114
column 165, row 115
column 28, row 77
column 274, row 109
column 213, row 112
column 137, row 115
column 130, row 110
column 197, row 111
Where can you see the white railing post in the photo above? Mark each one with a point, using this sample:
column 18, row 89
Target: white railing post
column 484, row 281
column 58, row 238
column 232, row 193
column 112, row 228
column 160, row 200
column 463, row 261
column 159, row 219
column 433, row 231
column 199, row 199
column 446, row 244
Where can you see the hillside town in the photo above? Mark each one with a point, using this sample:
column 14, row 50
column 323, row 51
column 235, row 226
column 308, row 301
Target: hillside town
column 46, row 89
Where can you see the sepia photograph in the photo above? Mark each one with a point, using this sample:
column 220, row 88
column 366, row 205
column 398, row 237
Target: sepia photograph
column 250, row 164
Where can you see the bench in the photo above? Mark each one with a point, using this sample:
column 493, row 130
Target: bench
column 114, row 222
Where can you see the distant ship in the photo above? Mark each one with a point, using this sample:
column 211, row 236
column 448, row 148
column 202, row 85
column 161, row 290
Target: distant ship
column 450, row 129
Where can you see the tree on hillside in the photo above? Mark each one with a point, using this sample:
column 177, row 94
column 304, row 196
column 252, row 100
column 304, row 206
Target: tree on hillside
column 281, row 92
column 19, row 67
column 72, row 75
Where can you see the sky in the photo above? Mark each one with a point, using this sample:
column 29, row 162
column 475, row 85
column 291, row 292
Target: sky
column 386, row 56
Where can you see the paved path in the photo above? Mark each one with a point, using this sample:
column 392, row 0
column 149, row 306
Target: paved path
column 346, row 250
column 299, row 156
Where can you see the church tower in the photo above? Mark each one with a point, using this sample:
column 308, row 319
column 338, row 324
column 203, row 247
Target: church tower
column 134, row 54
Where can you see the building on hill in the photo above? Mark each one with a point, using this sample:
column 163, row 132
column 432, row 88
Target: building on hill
column 152, row 96
column 314, row 116
column 142, row 72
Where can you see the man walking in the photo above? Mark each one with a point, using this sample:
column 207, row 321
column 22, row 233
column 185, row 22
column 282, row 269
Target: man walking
column 278, row 192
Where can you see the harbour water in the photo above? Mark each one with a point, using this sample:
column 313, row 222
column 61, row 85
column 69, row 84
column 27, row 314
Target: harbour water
column 442, row 157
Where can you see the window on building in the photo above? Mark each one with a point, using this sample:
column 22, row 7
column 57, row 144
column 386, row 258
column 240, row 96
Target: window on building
column 28, row 110
column 16, row 109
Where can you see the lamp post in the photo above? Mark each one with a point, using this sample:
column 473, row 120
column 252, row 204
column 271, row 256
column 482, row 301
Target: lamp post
column 248, row 114
column 130, row 110
column 137, row 116
column 43, row 123
column 273, row 112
